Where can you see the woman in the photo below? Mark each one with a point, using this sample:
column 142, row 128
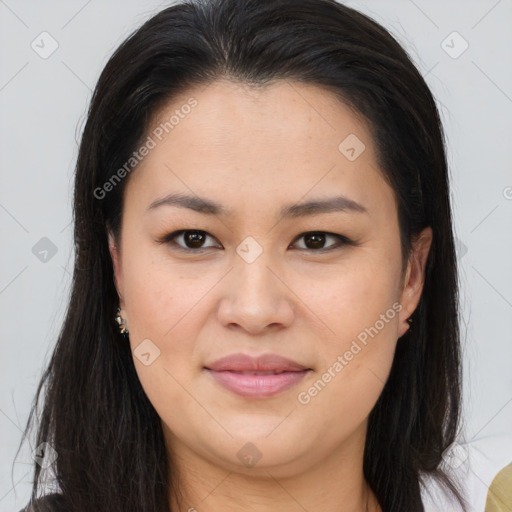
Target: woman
column 264, row 312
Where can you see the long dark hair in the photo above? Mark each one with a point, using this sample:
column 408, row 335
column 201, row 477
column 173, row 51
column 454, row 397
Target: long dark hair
column 108, row 436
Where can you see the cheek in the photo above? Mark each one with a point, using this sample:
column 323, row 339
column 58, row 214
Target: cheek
column 156, row 294
column 354, row 369
column 162, row 307
column 360, row 311
column 166, row 306
column 353, row 297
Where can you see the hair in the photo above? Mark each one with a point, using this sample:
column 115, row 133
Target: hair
column 96, row 415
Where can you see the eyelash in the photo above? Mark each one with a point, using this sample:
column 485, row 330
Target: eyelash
column 169, row 239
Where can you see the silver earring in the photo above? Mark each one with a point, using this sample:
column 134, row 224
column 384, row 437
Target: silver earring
column 121, row 322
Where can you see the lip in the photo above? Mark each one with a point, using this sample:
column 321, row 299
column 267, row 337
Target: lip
column 246, row 376
column 263, row 363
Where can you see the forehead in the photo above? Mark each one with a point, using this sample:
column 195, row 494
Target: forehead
column 284, row 140
column 278, row 113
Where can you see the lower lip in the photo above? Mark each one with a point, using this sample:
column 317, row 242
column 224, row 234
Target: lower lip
column 257, row 386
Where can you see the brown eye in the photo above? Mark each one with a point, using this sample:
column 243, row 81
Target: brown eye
column 190, row 240
column 193, row 240
column 315, row 241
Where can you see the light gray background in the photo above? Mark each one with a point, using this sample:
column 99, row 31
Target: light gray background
column 42, row 108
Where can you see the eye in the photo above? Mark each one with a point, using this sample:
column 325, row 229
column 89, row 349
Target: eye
column 316, row 240
column 192, row 240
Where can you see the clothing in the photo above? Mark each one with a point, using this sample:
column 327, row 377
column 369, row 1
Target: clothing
column 499, row 497
column 475, row 466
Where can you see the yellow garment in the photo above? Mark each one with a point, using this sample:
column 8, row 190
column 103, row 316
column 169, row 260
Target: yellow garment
column 499, row 497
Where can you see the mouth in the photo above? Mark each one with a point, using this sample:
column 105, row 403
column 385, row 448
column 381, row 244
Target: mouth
column 254, row 372
column 253, row 384
column 256, row 377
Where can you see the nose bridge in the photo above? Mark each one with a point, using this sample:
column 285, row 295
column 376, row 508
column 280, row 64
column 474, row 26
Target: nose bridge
column 255, row 297
column 252, row 270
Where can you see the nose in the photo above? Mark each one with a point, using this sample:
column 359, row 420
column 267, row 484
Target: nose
column 256, row 298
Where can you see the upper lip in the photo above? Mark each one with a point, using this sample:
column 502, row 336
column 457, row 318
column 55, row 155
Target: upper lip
column 264, row 363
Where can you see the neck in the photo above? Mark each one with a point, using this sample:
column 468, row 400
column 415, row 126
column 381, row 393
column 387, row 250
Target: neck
column 331, row 484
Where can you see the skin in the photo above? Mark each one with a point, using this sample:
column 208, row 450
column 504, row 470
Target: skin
column 255, row 150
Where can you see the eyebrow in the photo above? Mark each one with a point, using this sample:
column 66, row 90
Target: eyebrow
column 209, row 207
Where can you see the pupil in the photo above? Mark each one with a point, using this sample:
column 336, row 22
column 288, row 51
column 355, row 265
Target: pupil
column 195, row 238
column 318, row 239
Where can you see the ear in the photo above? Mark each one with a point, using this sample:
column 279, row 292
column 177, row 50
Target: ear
column 414, row 278
column 115, row 254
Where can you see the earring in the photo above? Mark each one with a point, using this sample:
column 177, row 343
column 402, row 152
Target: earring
column 409, row 320
column 121, row 321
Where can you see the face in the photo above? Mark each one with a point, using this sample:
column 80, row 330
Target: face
column 258, row 273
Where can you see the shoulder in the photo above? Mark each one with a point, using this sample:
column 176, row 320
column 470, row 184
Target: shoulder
column 49, row 503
